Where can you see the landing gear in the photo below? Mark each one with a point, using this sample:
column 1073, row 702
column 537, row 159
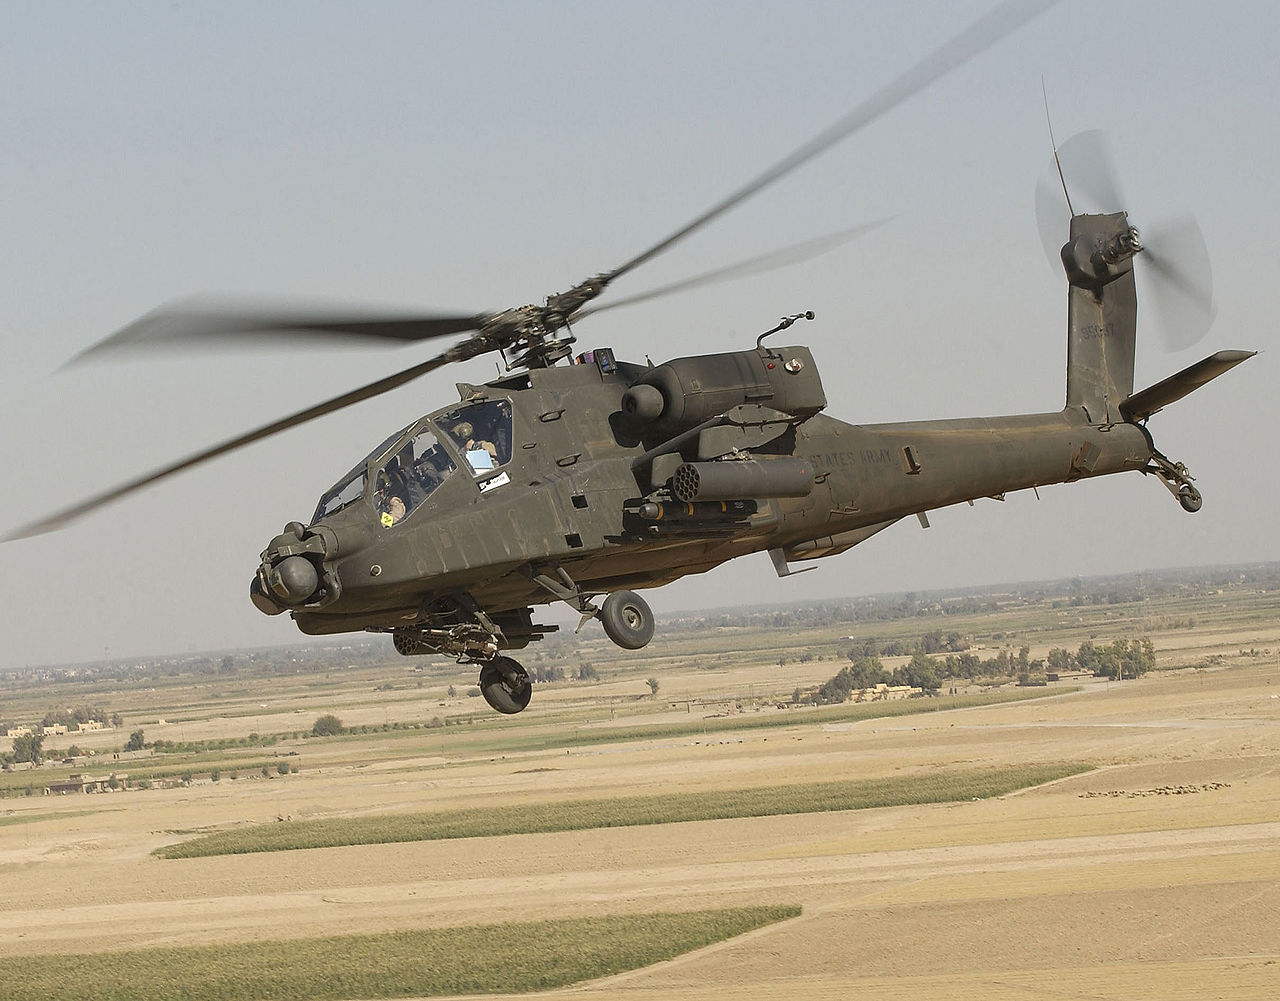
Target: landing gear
column 1177, row 481
column 505, row 685
column 627, row 619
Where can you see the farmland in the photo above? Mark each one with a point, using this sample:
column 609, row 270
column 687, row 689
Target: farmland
column 1137, row 851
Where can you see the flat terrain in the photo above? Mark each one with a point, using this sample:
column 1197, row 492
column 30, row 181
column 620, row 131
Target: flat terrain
column 1055, row 890
column 1157, row 874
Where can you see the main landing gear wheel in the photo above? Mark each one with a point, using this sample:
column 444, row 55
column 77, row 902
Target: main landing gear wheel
column 505, row 685
column 1189, row 497
column 627, row 619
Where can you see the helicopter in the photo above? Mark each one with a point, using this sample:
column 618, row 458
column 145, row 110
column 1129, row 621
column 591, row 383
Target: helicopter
column 579, row 477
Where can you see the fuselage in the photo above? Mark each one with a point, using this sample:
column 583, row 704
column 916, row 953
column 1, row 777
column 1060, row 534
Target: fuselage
column 564, row 490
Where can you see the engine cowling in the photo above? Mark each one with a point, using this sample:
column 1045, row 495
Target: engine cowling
column 684, row 392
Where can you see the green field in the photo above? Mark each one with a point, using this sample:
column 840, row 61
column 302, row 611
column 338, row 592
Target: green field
column 511, row 738
column 490, row 734
column 33, row 818
column 508, row 958
column 579, row 815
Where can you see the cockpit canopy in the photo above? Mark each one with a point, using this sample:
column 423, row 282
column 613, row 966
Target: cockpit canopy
column 481, row 432
column 397, row 476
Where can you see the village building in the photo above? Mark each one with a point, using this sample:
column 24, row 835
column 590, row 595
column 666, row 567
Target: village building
column 83, row 783
column 886, row 693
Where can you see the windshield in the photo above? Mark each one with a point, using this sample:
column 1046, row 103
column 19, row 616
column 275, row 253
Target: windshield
column 482, row 432
column 409, row 476
column 349, row 488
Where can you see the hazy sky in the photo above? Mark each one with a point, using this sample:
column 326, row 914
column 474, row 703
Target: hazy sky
column 479, row 155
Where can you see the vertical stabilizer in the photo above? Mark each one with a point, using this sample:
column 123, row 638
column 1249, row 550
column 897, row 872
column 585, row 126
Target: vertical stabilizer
column 1102, row 313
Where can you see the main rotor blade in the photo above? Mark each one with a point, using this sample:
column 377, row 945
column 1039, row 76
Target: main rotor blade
column 997, row 23
column 384, row 385
column 204, row 322
column 771, row 261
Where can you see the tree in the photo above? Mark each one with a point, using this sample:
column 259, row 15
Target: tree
column 136, row 740
column 1125, row 658
column 863, row 673
column 920, row 672
column 117, row 720
column 328, row 725
column 586, row 672
column 28, row 747
column 1089, row 658
column 963, row 665
column 1060, row 660
column 653, row 686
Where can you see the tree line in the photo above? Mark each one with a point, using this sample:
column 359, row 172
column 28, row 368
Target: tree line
column 867, row 672
column 1127, row 658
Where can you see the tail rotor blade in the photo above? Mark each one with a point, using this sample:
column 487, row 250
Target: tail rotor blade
column 1090, row 172
column 1179, row 280
column 1174, row 266
column 1052, row 220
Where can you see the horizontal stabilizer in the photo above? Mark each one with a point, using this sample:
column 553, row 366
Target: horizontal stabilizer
column 1146, row 402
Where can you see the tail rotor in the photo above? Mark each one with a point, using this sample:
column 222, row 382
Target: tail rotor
column 1175, row 271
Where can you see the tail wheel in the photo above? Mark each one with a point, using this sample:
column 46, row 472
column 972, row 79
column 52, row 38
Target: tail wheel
column 1189, row 497
column 505, row 685
column 627, row 619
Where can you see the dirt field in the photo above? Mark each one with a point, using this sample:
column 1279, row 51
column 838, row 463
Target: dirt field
column 1110, row 884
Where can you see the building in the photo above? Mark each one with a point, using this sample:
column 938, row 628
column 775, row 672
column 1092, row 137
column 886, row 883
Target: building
column 81, row 782
column 886, row 693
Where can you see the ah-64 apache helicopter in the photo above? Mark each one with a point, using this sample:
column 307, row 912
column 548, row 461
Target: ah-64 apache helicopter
column 579, row 475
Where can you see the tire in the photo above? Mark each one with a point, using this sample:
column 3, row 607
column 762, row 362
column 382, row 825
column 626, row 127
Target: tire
column 505, row 685
column 627, row 620
column 1190, row 499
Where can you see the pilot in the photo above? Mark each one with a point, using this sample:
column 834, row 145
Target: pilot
column 464, row 433
column 431, row 468
column 389, row 500
column 402, row 472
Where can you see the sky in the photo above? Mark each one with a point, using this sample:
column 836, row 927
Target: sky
column 482, row 155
